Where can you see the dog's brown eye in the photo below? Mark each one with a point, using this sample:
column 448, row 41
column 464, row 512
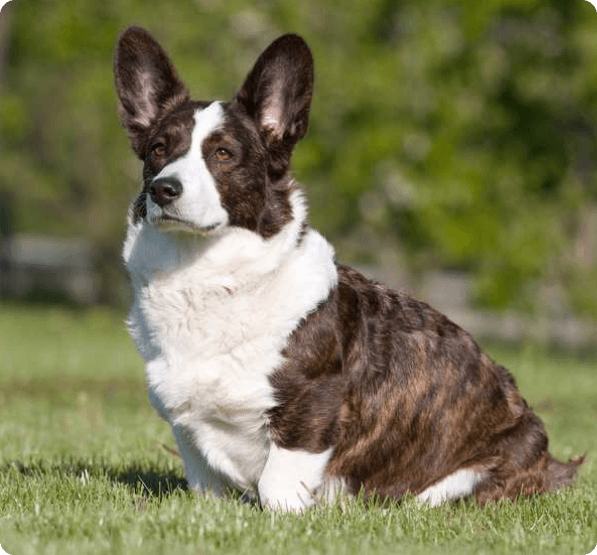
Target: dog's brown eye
column 158, row 149
column 223, row 154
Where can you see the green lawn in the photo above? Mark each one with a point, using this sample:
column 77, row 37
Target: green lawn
column 83, row 468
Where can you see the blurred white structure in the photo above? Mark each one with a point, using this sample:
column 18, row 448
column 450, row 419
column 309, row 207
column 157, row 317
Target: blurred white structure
column 39, row 265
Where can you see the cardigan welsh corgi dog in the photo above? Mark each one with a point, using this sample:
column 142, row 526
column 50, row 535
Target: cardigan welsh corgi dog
column 282, row 373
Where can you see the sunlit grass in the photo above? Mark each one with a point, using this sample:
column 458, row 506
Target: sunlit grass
column 83, row 468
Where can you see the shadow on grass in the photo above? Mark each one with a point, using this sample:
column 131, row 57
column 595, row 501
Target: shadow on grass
column 154, row 483
column 138, row 478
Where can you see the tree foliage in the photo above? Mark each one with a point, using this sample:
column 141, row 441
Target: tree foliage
column 450, row 134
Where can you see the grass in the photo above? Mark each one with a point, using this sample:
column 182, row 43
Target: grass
column 83, row 468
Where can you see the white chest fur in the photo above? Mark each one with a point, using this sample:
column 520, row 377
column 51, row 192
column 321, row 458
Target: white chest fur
column 210, row 318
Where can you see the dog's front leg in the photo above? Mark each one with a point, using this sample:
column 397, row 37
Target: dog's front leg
column 291, row 479
column 200, row 477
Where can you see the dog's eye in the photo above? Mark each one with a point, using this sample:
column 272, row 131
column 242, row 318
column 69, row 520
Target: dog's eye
column 223, row 154
column 158, row 149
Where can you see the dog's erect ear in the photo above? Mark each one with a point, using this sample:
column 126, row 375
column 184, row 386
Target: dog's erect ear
column 277, row 93
column 146, row 82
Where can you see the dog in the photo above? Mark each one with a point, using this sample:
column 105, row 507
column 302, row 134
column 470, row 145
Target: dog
column 283, row 374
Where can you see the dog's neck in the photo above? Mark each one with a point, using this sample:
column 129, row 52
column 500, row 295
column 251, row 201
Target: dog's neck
column 234, row 256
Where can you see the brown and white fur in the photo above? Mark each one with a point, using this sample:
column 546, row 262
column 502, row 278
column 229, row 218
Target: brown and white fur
column 282, row 373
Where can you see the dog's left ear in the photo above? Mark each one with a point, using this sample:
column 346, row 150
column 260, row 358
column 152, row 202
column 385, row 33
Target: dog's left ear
column 277, row 94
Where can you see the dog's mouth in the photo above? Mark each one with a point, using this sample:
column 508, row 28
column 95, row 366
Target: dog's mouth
column 174, row 223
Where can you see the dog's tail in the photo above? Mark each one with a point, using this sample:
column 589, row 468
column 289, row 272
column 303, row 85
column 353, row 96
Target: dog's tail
column 547, row 474
column 559, row 474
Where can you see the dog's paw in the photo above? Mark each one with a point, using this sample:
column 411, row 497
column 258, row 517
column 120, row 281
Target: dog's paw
column 291, row 479
column 295, row 500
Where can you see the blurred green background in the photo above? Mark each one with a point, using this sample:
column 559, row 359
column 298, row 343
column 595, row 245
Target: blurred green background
column 445, row 135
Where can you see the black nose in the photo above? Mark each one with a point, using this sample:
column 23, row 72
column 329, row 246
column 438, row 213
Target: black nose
column 164, row 190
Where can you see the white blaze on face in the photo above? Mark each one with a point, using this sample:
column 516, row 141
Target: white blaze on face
column 199, row 205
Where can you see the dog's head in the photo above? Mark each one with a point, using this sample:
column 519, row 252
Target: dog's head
column 208, row 165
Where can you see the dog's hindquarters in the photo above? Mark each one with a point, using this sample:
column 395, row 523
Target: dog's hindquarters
column 408, row 403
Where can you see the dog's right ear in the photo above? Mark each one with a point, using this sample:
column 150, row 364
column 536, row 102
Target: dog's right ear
column 146, row 82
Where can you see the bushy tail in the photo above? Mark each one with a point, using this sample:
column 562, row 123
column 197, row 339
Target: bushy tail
column 548, row 474
column 561, row 474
